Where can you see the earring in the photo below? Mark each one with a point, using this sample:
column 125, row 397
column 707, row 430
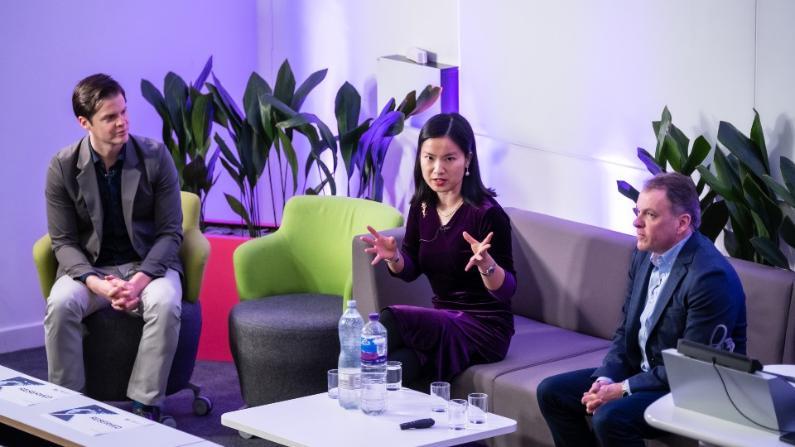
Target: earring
column 467, row 171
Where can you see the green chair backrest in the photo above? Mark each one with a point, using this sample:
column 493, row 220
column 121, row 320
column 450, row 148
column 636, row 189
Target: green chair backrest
column 194, row 252
column 311, row 250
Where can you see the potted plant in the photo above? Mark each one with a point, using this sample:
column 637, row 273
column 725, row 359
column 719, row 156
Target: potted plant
column 187, row 116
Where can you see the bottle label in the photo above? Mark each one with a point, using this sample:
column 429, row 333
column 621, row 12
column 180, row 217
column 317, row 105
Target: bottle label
column 350, row 380
column 373, row 350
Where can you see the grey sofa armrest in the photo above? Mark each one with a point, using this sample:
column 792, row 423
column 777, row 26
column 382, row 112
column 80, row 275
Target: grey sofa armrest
column 374, row 288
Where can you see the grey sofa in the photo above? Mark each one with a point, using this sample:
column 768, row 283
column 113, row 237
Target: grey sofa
column 571, row 285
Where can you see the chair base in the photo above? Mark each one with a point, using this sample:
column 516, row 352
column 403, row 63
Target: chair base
column 111, row 344
column 283, row 345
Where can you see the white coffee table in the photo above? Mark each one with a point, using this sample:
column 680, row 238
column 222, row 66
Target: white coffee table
column 32, row 419
column 318, row 420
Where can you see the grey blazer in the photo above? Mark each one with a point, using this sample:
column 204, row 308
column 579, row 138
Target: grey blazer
column 150, row 204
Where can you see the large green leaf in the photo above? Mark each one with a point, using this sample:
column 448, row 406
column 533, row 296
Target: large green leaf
column 240, row 210
column 758, row 137
column 255, row 87
column 307, row 86
column 201, row 124
column 176, row 95
column 728, row 175
column 155, row 98
column 763, row 206
column 713, row 219
column 770, row 252
column 701, row 148
column 730, row 242
column 349, row 144
column 742, row 147
column 284, row 89
column 782, row 192
column 347, row 106
column 787, row 231
column 788, row 173
column 661, row 130
column 672, row 153
column 682, row 142
column 717, row 184
column 292, row 160
column 429, row 95
column 408, row 104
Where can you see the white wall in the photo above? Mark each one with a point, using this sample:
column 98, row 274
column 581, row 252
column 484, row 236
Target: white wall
column 47, row 46
column 561, row 93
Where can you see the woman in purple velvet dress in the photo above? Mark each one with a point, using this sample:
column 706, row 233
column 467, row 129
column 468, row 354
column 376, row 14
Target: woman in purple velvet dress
column 460, row 238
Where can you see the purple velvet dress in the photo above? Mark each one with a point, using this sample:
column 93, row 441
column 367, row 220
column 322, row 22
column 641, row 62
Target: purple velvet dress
column 468, row 324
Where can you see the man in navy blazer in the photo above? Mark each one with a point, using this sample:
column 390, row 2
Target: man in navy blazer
column 680, row 286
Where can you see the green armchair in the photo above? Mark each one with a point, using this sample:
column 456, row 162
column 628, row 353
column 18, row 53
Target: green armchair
column 108, row 370
column 292, row 286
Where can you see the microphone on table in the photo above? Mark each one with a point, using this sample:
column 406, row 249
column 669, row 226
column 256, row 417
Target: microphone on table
column 419, row 423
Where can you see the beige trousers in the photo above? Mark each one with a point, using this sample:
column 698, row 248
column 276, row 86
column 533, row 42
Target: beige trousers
column 161, row 305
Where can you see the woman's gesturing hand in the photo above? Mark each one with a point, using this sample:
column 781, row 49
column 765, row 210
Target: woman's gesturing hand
column 384, row 247
column 481, row 256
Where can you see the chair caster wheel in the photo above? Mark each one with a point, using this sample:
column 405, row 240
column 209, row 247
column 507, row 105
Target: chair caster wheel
column 202, row 406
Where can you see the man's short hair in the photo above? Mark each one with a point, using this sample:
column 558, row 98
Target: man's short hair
column 91, row 91
column 681, row 192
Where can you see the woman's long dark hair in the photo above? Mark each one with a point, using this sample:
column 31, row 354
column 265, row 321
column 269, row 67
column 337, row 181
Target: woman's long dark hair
column 455, row 127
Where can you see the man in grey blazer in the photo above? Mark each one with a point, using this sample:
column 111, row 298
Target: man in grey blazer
column 115, row 219
column 679, row 286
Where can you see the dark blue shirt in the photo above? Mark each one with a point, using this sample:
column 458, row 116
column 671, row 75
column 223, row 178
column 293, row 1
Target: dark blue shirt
column 116, row 247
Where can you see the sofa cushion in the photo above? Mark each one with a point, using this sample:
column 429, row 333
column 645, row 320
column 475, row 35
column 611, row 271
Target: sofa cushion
column 534, row 343
column 514, row 394
column 569, row 274
column 768, row 297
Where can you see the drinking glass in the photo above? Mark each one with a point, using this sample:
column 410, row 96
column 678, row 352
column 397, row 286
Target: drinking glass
column 457, row 414
column 478, row 407
column 394, row 375
column 440, row 392
column 333, row 383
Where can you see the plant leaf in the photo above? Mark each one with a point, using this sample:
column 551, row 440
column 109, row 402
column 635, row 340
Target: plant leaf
column 713, row 219
column 199, row 83
column 307, row 86
column 661, row 130
column 716, row 184
column 255, row 87
column 240, row 210
column 200, row 124
column 698, row 154
column 770, row 252
column 743, row 148
column 787, row 231
column 649, row 161
column 628, row 191
column 409, row 103
column 429, row 95
column 285, row 84
column 779, row 190
column 788, row 173
column 347, row 106
column 758, row 137
column 289, row 152
column 672, row 153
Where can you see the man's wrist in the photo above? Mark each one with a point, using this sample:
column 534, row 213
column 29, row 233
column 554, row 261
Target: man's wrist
column 625, row 390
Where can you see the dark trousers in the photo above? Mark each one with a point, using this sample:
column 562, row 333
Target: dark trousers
column 616, row 423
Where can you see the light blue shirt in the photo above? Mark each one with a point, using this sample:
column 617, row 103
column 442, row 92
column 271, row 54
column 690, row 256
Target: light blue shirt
column 659, row 275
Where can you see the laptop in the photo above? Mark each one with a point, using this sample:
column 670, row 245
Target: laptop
column 755, row 399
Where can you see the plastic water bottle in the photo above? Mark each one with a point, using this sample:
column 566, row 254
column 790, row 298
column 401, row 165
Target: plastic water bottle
column 349, row 367
column 373, row 367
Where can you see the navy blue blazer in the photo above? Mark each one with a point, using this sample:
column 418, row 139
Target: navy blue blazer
column 702, row 291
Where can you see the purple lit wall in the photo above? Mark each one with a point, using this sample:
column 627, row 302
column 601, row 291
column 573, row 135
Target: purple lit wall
column 45, row 48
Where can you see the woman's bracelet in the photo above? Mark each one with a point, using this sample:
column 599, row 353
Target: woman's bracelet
column 395, row 259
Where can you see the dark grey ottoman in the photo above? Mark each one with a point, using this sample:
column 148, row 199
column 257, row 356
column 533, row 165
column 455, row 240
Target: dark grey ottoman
column 283, row 345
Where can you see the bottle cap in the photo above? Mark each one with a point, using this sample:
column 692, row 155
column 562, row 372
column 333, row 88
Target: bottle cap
column 351, row 303
column 374, row 316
